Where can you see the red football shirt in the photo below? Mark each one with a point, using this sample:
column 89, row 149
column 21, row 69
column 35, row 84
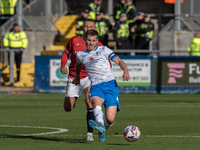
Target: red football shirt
column 75, row 45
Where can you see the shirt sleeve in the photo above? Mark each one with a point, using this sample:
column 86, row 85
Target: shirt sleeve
column 69, row 47
column 66, row 53
column 109, row 53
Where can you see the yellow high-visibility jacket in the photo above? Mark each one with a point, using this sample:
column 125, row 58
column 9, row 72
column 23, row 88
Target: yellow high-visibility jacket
column 7, row 7
column 15, row 40
column 194, row 47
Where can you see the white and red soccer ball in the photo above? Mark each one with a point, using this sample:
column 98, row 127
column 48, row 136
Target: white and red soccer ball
column 132, row 133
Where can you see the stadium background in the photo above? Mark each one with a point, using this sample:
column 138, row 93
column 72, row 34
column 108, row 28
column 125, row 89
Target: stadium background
column 49, row 30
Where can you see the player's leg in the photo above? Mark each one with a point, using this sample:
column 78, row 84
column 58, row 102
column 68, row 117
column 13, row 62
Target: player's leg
column 96, row 97
column 98, row 114
column 69, row 103
column 111, row 103
column 110, row 115
column 97, row 108
column 90, row 115
column 85, row 84
column 71, row 95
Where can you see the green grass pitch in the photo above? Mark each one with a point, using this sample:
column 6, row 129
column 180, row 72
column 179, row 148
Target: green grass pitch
column 39, row 122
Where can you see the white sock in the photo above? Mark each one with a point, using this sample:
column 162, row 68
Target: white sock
column 98, row 114
column 106, row 124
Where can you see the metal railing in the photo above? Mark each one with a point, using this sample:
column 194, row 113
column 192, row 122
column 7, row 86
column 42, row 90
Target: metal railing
column 121, row 51
column 134, row 52
column 39, row 17
column 151, row 52
column 12, row 53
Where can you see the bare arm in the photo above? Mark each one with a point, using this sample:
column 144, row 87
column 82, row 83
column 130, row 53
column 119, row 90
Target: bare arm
column 123, row 66
column 78, row 70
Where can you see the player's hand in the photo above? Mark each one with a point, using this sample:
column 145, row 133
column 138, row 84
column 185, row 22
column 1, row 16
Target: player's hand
column 64, row 70
column 126, row 76
column 76, row 81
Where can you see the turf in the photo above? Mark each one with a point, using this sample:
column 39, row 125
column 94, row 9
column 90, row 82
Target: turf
column 166, row 122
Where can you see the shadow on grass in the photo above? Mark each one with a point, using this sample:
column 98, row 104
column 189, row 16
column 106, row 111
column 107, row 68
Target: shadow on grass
column 116, row 144
column 67, row 140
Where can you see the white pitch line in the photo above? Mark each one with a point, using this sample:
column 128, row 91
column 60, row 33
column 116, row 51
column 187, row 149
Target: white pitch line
column 151, row 105
column 171, row 136
column 60, row 130
column 148, row 136
column 162, row 105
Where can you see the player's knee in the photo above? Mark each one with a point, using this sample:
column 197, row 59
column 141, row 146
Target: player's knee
column 68, row 105
column 68, row 108
column 88, row 104
column 110, row 121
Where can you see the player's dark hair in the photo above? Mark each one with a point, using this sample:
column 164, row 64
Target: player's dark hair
column 90, row 20
column 92, row 32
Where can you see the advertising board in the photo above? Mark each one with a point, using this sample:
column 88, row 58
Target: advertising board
column 176, row 73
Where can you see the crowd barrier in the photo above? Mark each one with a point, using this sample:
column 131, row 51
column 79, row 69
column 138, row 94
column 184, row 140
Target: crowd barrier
column 161, row 74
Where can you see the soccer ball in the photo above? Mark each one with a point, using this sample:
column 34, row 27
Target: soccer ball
column 132, row 133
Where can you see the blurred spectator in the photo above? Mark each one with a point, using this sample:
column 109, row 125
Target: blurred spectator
column 130, row 11
column 94, row 7
column 121, row 32
column 145, row 33
column 80, row 22
column 7, row 10
column 26, row 3
column 133, row 28
column 102, row 25
column 194, row 47
column 119, row 8
column 16, row 39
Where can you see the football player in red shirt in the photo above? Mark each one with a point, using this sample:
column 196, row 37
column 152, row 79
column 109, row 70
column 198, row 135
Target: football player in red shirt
column 76, row 44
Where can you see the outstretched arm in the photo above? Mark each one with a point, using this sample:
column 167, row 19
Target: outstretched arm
column 123, row 66
column 78, row 70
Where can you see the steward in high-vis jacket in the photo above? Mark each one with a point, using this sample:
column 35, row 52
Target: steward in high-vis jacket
column 93, row 8
column 194, row 47
column 145, row 34
column 16, row 39
column 121, row 33
column 133, row 28
column 80, row 22
column 7, row 9
column 119, row 8
column 103, row 26
column 131, row 11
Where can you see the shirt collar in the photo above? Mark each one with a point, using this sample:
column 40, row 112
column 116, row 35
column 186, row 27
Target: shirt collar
column 93, row 50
